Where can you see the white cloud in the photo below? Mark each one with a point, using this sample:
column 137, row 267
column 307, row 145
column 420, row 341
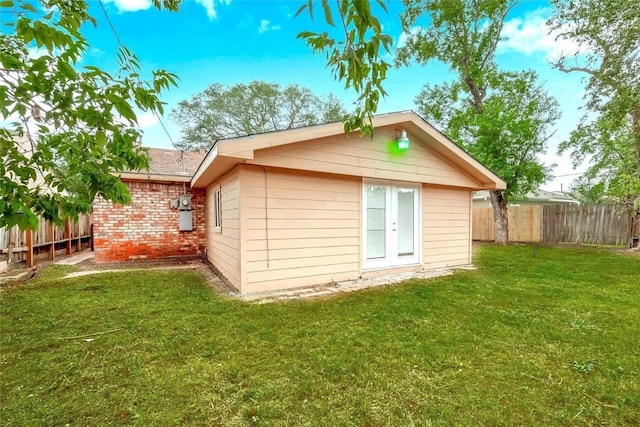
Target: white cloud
column 530, row 34
column 147, row 120
column 131, row 5
column 136, row 5
column 208, row 5
column 144, row 120
column 404, row 37
column 36, row 52
column 265, row 26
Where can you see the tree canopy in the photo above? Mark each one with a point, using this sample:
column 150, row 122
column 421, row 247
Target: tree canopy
column 65, row 128
column 607, row 33
column 503, row 118
column 355, row 55
column 513, row 128
column 222, row 111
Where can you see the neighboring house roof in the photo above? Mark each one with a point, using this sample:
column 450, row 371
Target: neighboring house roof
column 538, row 196
column 225, row 154
column 25, row 146
column 168, row 165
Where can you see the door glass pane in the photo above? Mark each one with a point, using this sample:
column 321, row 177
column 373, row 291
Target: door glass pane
column 406, row 221
column 376, row 221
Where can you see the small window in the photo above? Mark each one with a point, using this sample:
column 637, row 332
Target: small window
column 217, row 211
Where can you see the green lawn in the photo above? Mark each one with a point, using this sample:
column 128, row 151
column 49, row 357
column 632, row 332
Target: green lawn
column 536, row 336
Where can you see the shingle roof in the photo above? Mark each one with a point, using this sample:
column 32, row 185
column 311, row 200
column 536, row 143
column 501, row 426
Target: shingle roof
column 173, row 162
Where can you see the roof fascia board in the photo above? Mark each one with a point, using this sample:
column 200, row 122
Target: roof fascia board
column 451, row 148
column 206, row 162
column 245, row 147
column 133, row 176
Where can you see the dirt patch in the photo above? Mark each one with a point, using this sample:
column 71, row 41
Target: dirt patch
column 628, row 252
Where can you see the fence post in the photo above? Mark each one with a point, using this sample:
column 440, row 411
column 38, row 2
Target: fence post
column 10, row 244
column 29, row 239
column 67, row 235
column 579, row 223
column 52, row 247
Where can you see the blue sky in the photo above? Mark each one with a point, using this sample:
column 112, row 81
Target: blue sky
column 236, row 41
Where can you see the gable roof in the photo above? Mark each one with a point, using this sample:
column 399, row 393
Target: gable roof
column 225, row 154
column 168, row 165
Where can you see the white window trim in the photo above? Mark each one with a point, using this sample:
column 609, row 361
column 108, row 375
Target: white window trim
column 217, row 210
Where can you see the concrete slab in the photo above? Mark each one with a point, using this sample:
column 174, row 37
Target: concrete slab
column 76, row 258
column 120, row 270
column 348, row 285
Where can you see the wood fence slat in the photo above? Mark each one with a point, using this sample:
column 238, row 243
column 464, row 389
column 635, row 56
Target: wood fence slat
column 41, row 242
column 604, row 224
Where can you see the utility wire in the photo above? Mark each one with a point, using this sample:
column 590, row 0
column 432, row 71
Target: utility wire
column 115, row 33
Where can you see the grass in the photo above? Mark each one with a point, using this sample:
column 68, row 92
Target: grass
column 535, row 336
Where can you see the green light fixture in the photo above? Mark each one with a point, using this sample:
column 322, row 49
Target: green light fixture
column 403, row 141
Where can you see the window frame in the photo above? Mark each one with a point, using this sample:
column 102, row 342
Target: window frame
column 390, row 259
column 217, row 210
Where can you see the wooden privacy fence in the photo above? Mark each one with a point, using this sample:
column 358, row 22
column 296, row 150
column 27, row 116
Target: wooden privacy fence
column 605, row 224
column 47, row 241
column 524, row 224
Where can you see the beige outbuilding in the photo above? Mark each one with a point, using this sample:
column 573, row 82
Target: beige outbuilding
column 312, row 205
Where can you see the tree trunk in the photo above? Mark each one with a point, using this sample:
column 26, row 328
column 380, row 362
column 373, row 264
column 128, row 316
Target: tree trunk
column 635, row 210
column 636, row 137
column 499, row 205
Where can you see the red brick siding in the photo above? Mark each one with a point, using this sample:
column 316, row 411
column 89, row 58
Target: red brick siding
column 147, row 228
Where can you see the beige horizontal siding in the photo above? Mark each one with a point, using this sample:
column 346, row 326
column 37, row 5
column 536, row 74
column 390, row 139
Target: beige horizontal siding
column 223, row 248
column 257, row 243
column 446, row 226
column 306, row 231
column 288, row 279
column 368, row 158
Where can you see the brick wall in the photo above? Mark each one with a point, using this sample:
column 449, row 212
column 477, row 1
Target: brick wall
column 147, row 228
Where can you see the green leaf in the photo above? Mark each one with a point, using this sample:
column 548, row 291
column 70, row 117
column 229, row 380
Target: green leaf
column 327, row 13
column 67, row 70
column 300, row 10
column 101, row 139
column 26, row 6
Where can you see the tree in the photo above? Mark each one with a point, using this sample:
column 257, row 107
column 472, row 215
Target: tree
column 613, row 171
column 513, row 128
column 608, row 36
column 65, row 128
column 586, row 190
column 356, row 57
column 88, row 123
column 502, row 118
column 222, row 111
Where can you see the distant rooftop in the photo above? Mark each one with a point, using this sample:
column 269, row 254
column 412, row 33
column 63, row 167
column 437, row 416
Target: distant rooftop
column 538, row 195
column 173, row 162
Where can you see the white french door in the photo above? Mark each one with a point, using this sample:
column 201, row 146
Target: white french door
column 391, row 225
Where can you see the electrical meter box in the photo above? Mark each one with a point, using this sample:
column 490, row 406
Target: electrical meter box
column 185, row 203
column 186, row 221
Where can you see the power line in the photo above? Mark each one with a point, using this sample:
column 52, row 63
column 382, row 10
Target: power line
column 115, row 33
column 568, row 174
